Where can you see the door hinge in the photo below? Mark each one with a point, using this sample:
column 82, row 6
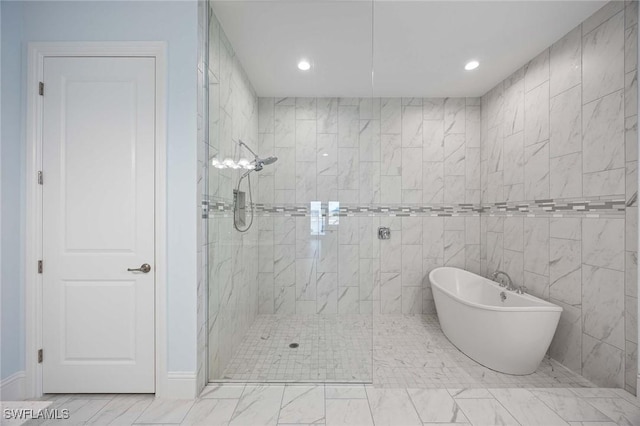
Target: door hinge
column 40, row 356
column 39, row 266
column 41, row 88
column 40, row 178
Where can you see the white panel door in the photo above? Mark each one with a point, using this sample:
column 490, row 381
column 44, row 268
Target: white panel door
column 98, row 221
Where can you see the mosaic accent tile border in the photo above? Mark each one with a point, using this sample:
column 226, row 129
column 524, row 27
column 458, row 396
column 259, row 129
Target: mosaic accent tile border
column 553, row 207
column 548, row 207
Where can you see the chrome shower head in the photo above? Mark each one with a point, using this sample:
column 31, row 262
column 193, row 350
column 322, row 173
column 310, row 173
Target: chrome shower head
column 259, row 163
column 269, row 160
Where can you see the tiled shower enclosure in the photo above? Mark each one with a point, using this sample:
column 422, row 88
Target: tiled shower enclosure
column 538, row 177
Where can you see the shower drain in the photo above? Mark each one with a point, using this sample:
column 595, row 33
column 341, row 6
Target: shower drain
column 293, row 345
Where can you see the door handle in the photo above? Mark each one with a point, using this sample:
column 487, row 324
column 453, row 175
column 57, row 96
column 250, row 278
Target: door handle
column 145, row 267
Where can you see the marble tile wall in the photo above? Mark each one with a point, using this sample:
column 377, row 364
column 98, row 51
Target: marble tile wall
column 232, row 272
column 375, row 152
column 201, row 374
column 564, row 127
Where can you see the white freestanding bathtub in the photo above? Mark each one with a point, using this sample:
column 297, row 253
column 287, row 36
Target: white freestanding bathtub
column 510, row 335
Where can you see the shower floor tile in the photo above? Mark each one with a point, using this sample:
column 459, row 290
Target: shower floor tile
column 330, row 349
column 408, row 351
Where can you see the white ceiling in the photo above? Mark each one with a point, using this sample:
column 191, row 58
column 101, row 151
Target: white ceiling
column 419, row 47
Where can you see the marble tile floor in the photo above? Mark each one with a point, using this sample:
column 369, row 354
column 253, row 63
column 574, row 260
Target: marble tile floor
column 270, row 404
column 407, row 351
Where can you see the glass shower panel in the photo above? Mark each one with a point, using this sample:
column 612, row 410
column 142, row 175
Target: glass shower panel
column 292, row 298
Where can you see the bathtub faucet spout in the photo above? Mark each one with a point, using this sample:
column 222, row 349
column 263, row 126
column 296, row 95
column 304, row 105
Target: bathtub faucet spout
column 509, row 284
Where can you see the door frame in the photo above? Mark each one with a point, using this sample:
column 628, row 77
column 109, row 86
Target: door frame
column 37, row 52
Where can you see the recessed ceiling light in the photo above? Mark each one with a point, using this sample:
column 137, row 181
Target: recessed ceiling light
column 304, row 65
column 471, row 65
column 325, row 155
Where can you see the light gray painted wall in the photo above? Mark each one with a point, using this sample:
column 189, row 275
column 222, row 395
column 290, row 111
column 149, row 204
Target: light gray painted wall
column 174, row 22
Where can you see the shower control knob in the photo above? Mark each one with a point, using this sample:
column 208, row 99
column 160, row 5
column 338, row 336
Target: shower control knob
column 384, row 233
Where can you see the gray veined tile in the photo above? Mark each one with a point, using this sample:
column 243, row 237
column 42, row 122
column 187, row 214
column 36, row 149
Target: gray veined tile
column 412, row 168
column 473, row 393
column 391, row 155
column 607, row 11
column 166, row 411
column 566, row 346
column 536, row 245
column 454, row 115
column 606, row 182
column 485, row 412
column 433, row 140
column 568, row 406
column 80, row 410
column 536, row 71
column 565, row 130
column 390, row 116
column 495, row 148
column 513, row 151
column 631, row 190
column 348, row 300
column 565, row 62
column 565, row 271
column 603, row 137
column 305, row 108
column 436, row 406
column 630, row 14
column 536, row 123
column 433, row 108
column 631, row 319
column 348, row 168
column 284, row 126
column 266, row 115
column 630, row 372
column 536, row 171
column 631, row 49
column 514, row 103
column 302, row 404
column 566, row 227
column 122, row 410
column 345, row 392
column 602, row 363
column 454, row 162
column 527, row 409
column 473, row 127
column 258, row 405
column 594, row 392
column 348, row 412
column 412, row 126
column 327, row 155
column 211, row 412
column 630, row 279
column 603, row 59
column 620, row 411
column 327, row 115
column 631, row 94
column 327, row 291
column 603, row 243
column 514, row 233
column 603, row 304
column 392, row 407
column 348, row 126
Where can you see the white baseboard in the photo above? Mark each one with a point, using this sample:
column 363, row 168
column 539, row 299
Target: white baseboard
column 13, row 387
column 181, row 385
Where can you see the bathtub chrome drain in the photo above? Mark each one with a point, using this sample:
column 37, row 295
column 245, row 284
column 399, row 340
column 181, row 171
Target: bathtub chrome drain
column 293, row 345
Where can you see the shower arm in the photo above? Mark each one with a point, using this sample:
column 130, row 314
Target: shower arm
column 247, row 146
